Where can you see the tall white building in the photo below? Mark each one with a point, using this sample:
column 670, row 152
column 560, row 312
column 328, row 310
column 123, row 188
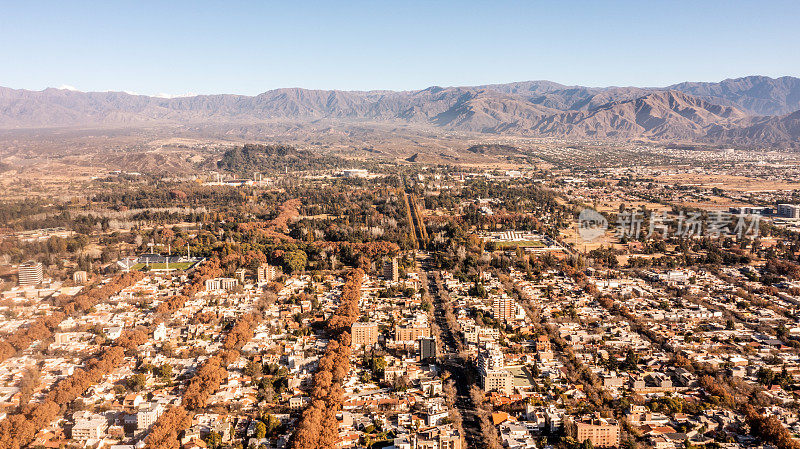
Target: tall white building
column 504, row 308
column 221, row 284
column 266, row 273
column 30, row 273
column 494, row 377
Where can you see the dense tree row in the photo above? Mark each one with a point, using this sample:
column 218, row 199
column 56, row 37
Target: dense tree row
column 318, row 426
column 84, row 301
column 172, row 303
column 40, row 329
column 205, row 382
column 207, row 379
column 19, row 429
column 769, row 429
column 43, row 327
column 257, row 158
column 164, row 433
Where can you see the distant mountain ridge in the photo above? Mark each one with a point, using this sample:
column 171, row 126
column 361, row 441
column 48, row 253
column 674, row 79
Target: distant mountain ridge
column 754, row 110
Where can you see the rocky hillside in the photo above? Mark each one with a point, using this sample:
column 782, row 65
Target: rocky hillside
column 748, row 111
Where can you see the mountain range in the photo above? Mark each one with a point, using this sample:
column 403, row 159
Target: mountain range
column 753, row 111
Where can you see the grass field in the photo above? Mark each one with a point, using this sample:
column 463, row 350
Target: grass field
column 520, row 244
column 162, row 266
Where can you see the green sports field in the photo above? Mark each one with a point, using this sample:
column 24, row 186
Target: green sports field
column 163, row 266
column 521, row 244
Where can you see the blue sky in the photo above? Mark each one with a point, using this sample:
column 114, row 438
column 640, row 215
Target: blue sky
column 250, row 47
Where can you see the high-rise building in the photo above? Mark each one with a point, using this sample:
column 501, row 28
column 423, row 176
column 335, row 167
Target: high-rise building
column 391, row 270
column 494, row 376
column 266, row 273
column 789, row 210
column 504, row 308
column 364, row 334
column 80, row 277
column 30, row 273
column 427, row 348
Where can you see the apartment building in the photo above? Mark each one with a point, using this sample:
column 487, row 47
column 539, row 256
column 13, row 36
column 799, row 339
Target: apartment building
column 221, row 284
column 391, row 270
column 30, row 273
column 602, row 432
column 411, row 332
column 363, row 334
column 504, row 309
column 266, row 273
column 89, row 426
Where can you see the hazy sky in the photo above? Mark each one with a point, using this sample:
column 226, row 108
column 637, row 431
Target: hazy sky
column 248, row 47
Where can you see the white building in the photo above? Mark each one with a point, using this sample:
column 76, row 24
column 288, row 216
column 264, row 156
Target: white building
column 160, row 333
column 221, row 284
column 30, row 273
column 88, row 426
column 148, row 414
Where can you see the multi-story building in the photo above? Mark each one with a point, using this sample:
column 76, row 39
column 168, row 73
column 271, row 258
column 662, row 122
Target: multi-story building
column 266, row 273
column 602, row 432
column 363, row 334
column 427, row 348
column 30, row 273
column 221, row 284
column 789, row 210
column 80, row 277
column 88, row 426
column 504, row 308
column 391, row 270
column 411, row 332
column 494, row 377
column 148, row 414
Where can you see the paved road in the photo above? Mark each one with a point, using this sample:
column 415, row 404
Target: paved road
column 463, row 374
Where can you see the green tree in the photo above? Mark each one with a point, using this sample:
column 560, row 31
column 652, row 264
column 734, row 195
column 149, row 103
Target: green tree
column 213, row 440
column 137, row 382
column 272, row 423
column 164, row 371
column 253, row 369
column 261, row 430
column 295, row 261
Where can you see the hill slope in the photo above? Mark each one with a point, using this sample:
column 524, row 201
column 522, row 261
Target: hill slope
column 709, row 112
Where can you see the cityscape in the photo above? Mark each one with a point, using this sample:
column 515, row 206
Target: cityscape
column 530, row 265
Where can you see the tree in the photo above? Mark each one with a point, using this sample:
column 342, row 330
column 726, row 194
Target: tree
column 164, row 371
column 213, row 440
column 295, row 260
column 137, row 382
column 272, row 424
column 253, row 369
column 261, row 430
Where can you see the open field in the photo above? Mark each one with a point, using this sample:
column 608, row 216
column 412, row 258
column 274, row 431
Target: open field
column 520, row 244
column 162, row 266
column 729, row 182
